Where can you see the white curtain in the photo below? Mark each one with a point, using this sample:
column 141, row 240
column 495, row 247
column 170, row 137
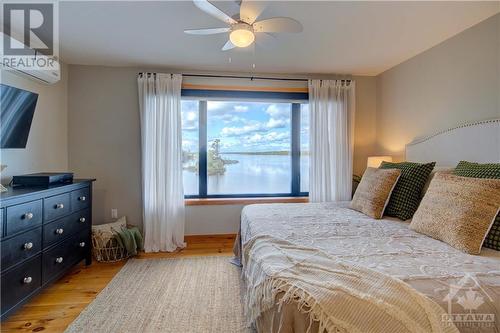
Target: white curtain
column 161, row 133
column 331, row 107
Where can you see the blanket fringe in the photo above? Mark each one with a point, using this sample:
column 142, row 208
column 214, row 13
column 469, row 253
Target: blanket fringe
column 266, row 298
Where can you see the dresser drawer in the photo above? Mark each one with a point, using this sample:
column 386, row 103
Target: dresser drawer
column 21, row 247
column 21, row 282
column 24, row 216
column 66, row 254
column 80, row 199
column 81, row 244
column 66, row 226
column 56, row 206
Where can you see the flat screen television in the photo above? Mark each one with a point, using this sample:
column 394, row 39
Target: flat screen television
column 17, row 107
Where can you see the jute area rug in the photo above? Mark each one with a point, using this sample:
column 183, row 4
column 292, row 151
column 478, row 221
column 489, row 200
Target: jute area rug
column 168, row 295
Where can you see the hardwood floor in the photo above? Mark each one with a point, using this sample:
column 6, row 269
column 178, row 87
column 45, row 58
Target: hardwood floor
column 57, row 306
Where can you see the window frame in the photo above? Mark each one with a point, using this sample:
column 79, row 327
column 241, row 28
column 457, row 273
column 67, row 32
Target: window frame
column 203, row 96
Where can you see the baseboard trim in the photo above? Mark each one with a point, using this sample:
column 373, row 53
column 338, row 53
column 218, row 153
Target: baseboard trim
column 209, row 236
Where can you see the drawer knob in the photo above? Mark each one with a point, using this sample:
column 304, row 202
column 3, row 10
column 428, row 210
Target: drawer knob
column 28, row 246
column 59, row 206
column 28, row 280
column 82, row 244
column 59, row 260
column 28, row 216
column 82, row 219
column 82, row 198
column 59, row 231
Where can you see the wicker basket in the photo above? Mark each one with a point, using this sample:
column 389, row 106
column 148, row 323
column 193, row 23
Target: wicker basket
column 106, row 248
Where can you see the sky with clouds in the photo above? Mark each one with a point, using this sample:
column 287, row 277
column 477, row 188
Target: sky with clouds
column 243, row 126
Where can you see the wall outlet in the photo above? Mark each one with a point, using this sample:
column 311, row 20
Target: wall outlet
column 114, row 213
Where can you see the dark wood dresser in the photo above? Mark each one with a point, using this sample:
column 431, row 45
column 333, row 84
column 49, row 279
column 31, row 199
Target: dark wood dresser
column 44, row 232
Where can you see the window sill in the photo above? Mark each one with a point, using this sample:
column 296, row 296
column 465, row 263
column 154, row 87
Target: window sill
column 243, row 201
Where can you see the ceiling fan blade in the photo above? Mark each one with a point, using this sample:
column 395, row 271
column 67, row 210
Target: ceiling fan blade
column 278, row 24
column 228, row 46
column 210, row 9
column 209, row 31
column 251, row 10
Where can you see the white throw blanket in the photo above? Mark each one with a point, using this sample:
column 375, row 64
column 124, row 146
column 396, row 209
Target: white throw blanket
column 341, row 296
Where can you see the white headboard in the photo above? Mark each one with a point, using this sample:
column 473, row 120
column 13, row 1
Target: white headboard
column 475, row 142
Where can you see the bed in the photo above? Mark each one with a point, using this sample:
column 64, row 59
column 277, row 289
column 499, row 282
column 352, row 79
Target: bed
column 274, row 235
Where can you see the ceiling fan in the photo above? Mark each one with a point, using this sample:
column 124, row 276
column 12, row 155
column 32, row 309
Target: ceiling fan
column 244, row 28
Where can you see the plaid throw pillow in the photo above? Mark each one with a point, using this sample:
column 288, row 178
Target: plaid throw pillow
column 476, row 170
column 488, row 170
column 406, row 195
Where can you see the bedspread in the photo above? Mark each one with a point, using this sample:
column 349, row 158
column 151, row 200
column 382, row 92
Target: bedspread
column 467, row 287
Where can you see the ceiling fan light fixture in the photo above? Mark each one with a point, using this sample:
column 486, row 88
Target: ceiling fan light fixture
column 242, row 35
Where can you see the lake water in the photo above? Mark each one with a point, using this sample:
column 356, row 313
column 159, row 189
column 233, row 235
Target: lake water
column 253, row 174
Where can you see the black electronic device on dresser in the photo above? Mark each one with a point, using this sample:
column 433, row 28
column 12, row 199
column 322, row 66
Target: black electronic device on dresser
column 44, row 232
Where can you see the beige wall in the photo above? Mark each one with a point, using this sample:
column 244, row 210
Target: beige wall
column 104, row 138
column 365, row 121
column 206, row 220
column 104, row 142
column 456, row 81
column 47, row 146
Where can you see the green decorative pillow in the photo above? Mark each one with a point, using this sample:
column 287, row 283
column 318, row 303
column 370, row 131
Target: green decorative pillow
column 477, row 170
column 488, row 170
column 406, row 195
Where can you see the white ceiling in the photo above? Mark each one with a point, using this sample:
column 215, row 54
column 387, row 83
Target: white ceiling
column 364, row 38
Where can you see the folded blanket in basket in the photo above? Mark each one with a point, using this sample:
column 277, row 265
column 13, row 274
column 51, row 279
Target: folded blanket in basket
column 130, row 239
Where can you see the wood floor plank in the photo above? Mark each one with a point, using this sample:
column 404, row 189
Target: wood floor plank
column 58, row 305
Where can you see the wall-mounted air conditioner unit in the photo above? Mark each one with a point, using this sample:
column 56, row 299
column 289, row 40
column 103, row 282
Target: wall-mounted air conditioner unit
column 35, row 66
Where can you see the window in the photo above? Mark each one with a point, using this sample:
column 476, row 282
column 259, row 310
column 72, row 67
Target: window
column 248, row 147
column 190, row 146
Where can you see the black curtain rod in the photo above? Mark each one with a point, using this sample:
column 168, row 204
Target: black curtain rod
column 246, row 77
